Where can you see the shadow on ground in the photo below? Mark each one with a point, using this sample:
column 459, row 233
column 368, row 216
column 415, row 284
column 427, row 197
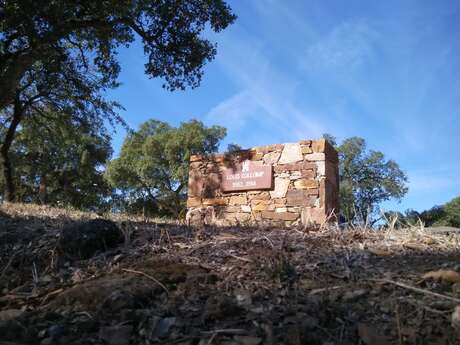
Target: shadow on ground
column 170, row 284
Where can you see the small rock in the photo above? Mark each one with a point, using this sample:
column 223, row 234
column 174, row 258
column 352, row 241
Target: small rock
column 350, row 296
column 9, row 314
column 243, row 299
column 47, row 341
column 56, row 331
column 116, row 335
column 163, row 326
column 247, row 340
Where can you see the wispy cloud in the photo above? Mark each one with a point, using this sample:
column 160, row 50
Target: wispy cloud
column 347, row 46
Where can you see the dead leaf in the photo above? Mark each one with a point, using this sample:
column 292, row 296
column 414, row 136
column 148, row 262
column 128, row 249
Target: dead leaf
column 445, row 275
column 370, row 336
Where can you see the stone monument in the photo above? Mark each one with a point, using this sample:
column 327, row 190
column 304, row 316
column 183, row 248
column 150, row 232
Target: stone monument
column 282, row 184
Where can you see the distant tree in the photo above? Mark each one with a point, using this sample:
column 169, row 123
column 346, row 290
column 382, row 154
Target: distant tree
column 367, row 178
column 62, row 54
column 61, row 162
column 452, row 210
column 154, row 161
column 443, row 215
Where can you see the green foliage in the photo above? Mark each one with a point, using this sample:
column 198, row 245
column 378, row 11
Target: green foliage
column 367, row 178
column 452, row 209
column 62, row 55
column 58, row 161
column 153, row 163
column 444, row 215
column 35, row 32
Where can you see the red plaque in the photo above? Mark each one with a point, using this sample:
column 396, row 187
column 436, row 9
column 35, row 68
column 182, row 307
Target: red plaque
column 246, row 176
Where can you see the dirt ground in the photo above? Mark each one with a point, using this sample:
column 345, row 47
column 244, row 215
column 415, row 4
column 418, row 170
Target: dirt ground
column 170, row 284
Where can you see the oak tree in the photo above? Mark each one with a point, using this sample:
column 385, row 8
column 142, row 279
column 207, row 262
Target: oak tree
column 63, row 54
column 154, row 162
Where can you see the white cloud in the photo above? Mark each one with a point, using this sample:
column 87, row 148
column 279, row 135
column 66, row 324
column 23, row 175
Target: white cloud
column 347, row 46
column 234, row 112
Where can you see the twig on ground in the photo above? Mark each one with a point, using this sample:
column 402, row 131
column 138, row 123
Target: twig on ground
column 147, row 276
column 212, row 338
column 426, row 292
column 240, row 258
column 316, row 291
column 226, row 331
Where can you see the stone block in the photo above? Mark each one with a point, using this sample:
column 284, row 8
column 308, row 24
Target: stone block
column 271, row 157
column 291, row 153
column 231, row 209
column 321, row 168
column 281, row 209
column 316, row 156
column 195, row 184
column 260, row 205
column 308, row 173
column 279, row 201
column 306, row 149
column 295, row 175
column 238, row 200
column 294, row 167
column 245, row 208
column 318, row 145
column 280, row 215
column 281, row 187
column 305, row 184
column 313, row 216
column 193, row 202
column 297, row 197
column 214, row 202
column 259, row 196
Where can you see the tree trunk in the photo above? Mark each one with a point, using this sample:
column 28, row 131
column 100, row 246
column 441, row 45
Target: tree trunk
column 5, row 149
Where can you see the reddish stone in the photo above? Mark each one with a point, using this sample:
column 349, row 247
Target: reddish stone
column 294, row 166
column 280, row 215
column 193, row 202
column 310, row 173
column 214, row 201
column 318, row 145
column 299, row 198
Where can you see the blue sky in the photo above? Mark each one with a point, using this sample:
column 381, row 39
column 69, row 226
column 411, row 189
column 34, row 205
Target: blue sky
column 387, row 71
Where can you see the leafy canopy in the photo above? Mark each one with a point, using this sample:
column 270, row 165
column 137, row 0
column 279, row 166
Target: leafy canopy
column 63, row 55
column 59, row 161
column 153, row 163
column 34, row 32
column 367, row 179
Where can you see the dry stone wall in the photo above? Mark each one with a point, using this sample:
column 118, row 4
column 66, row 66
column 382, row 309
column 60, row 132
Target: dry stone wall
column 303, row 189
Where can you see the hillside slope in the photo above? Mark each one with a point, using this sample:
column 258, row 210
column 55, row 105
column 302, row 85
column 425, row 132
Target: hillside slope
column 169, row 284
